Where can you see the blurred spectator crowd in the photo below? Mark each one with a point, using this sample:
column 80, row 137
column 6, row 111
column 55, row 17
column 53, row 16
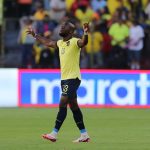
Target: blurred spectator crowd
column 118, row 39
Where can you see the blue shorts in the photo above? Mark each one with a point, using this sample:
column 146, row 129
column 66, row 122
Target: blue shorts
column 69, row 87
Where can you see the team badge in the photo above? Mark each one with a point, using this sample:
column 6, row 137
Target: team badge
column 68, row 43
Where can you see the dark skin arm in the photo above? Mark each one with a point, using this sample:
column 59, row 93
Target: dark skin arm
column 43, row 40
column 83, row 42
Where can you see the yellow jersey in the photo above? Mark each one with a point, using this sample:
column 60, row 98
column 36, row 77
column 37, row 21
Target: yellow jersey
column 69, row 54
column 113, row 5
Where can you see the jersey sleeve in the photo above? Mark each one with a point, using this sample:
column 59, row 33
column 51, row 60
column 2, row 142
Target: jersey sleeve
column 58, row 43
column 76, row 42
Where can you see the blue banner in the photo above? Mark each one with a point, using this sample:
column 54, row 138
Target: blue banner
column 110, row 88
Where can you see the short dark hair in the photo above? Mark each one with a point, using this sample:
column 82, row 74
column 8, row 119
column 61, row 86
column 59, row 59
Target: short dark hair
column 71, row 23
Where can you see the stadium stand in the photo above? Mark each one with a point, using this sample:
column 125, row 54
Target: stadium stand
column 111, row 24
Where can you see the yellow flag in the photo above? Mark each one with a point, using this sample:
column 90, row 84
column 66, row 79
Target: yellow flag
column 1, row 11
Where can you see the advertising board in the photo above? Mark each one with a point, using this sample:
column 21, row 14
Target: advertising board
column 8, row 87
column 98, row 88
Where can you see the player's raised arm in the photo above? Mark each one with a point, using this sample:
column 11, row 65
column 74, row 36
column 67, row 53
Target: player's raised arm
column 84, row 40
column 43, row 40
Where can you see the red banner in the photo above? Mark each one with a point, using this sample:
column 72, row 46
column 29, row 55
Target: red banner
column 25, row 1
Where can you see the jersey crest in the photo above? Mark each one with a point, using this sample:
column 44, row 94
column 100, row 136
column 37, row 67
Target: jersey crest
column 68, row 43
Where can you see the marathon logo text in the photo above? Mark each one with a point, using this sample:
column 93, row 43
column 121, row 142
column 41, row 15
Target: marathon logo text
column 95, row 89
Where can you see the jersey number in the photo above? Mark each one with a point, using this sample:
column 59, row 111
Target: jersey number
column 65, row 88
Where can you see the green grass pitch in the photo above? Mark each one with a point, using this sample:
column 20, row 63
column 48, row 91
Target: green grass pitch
column 110, row 129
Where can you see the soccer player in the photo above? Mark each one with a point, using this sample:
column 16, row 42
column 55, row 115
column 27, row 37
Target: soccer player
column 69, row 53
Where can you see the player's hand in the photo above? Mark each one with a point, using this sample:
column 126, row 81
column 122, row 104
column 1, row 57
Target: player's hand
column 86, row 27
column 31, row 31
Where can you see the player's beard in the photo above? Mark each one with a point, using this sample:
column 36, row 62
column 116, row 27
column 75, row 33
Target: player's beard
column 63, row 34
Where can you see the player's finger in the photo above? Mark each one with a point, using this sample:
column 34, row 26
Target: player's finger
column 28, row 32
column 29, row 29
column 87, row 23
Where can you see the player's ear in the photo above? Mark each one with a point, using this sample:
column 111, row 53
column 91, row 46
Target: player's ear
column 71, row 31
